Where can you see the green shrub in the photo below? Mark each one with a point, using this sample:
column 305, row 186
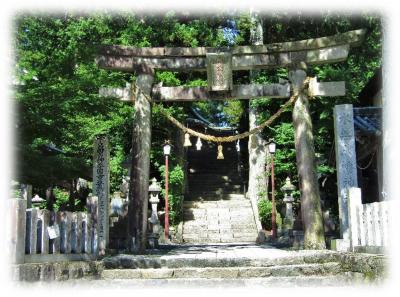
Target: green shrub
column 175, row 192
column 62, row 198
column 265, row 214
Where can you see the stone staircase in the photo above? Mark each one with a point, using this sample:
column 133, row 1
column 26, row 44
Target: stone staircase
column 216, row 211
column 216, row 265
column 240, row 265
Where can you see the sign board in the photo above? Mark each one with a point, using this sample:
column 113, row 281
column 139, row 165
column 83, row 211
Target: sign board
column 219, row 71
column 53, row 231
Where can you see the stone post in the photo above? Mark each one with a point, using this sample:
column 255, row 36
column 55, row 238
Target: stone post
column 355, row 205
column 68, row 231
column 31, row 227
column 307, row 170
column 56, row 225
column 346, row 166
column 92, row 209
column 16, row 230
column 44, row 216
column 141, row 145
column 101, row 189
column 26, row 193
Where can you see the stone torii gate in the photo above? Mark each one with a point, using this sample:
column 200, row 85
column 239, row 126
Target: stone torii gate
column 219, row 64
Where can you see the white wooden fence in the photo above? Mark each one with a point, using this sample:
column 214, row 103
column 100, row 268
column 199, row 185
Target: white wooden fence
column 368, row 223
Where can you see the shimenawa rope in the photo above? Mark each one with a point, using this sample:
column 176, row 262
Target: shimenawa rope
column 219, row 139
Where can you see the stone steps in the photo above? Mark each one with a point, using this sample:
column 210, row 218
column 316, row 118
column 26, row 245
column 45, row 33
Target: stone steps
column 231, row 201
column 215, row 222
column 216, row 211
column 215, row 192
column 225, row 272
column 346, row 280
column 204, row 186
column 217, row 239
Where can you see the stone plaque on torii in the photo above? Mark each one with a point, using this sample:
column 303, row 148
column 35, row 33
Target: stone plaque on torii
column 219, row 64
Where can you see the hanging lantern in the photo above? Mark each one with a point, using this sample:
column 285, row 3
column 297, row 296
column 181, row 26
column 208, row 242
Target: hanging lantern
column 220, row 154
column 187, row 140
column 198, row 144
column 238, row 146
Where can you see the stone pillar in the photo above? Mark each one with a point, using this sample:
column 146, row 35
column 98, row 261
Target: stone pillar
column 56, row 225
column 31, row 227
column 355, row 205
column 16, row 228
column 141, row 145
column 84, row 234
column 44, row 216
column 346, row 164
column 68, row 231
column 307, row 170
column 101, row 189
column 26, row 193
column 74, row 232
column 92, row 209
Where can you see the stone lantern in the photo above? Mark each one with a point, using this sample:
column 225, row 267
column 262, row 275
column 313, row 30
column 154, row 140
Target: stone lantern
column 37, row 201
column 154, row 190
column 288, row 189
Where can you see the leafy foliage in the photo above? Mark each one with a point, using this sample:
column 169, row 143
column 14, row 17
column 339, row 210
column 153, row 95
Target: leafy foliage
column 62, row 198
column 265, row 214
column 57, row 91
column 175, row 192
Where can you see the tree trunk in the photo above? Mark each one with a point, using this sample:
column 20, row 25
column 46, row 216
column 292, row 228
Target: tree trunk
column 305, row 157
column 257, row 145
column 139, row 185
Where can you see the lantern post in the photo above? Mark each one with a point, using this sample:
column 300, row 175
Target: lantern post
column 271, row 149
column 167, row 151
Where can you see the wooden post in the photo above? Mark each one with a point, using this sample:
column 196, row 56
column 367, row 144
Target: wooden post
column 305, row 157
column 141, row 144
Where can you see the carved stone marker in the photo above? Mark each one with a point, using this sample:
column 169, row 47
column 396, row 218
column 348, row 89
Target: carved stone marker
column 101, row 188
column 346, row 164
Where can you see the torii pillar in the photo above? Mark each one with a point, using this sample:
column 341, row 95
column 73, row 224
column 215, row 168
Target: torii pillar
column 305, row 158
column 141, row 145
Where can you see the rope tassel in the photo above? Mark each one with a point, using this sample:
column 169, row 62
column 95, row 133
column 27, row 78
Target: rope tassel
column 187, row 140
column 220, row 153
